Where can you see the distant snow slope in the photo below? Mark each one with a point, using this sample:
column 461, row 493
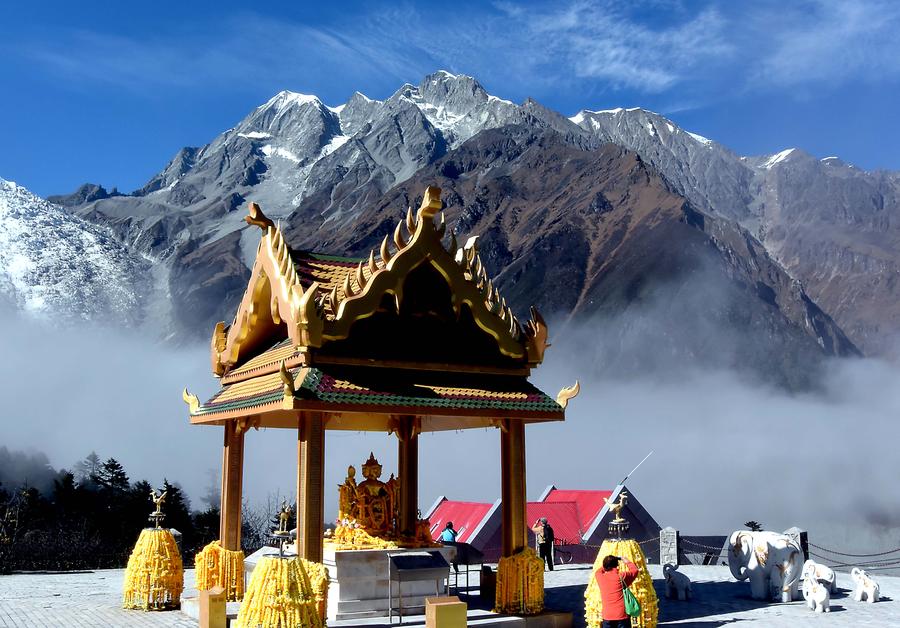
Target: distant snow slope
column 56, row 266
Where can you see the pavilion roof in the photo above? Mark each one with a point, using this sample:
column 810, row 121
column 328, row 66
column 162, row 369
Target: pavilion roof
column 451, row 400
column 314, row 299
column 415, row 328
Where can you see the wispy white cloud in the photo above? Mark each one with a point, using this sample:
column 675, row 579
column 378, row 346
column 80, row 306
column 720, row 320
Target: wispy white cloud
column 248, row 49
column 822, row 41
column 650, row 47
column 600, row 40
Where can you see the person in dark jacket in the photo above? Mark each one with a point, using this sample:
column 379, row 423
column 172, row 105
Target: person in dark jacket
column 544, row 534
column 612, row 582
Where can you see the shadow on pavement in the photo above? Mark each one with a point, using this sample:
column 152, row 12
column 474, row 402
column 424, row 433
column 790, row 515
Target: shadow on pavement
column 709, row 598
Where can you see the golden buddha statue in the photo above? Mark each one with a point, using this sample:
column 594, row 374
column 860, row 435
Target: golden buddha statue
column 369, row 513
column 375, row 501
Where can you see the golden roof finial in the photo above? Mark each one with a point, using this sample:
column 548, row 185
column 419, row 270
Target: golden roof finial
column 569, row 392
column 192, row 401
column 287, row 381
column 431, row 203
column 257, row 217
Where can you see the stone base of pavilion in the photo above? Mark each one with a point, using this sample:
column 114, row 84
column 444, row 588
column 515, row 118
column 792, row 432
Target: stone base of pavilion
column 357, row 595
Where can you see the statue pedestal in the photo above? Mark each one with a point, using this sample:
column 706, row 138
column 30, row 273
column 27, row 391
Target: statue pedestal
column 359, row 583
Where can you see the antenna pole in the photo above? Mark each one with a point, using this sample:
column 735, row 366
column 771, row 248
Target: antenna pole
column 636, row 468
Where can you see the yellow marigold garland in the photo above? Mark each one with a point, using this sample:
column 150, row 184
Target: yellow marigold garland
column 154, row 578
column 317, row 577
column 216, row 566
column 281, row 595
column 642, row 587
column 353, row 537
column 520, row 584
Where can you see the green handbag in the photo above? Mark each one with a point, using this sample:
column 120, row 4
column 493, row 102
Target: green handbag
column 632, row 606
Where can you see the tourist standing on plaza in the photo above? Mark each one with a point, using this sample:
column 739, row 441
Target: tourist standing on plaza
column 612, row 583
column 544, row 534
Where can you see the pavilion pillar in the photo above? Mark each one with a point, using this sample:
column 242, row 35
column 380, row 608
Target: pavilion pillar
column 408, row 472
column 512, row 460
column 310, row 486
column 232, row 477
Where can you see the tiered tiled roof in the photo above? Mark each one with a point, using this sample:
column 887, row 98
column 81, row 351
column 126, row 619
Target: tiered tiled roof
column 292, row 345
column 388, row 390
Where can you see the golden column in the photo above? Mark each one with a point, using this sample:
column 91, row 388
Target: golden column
column 408, row 472
column 512, row 460
column 520, row 574
column 310, row 486
column 232, row 477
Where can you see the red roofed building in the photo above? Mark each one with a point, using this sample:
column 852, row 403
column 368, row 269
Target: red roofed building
column 579, row 519
column 465, row 516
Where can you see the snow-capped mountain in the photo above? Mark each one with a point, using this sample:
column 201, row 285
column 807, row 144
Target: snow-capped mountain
column 323, row 170
column 56, row 266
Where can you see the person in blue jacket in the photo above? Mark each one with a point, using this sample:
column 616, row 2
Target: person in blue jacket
column 448, row 537
column 449, row 534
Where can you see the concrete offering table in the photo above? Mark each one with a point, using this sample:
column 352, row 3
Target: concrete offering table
column 360, row 580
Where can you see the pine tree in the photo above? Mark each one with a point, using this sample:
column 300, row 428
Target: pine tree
column 112, row 477
column 754, row 526
column 87, row 470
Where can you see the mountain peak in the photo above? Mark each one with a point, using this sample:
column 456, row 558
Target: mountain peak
column 285, row 98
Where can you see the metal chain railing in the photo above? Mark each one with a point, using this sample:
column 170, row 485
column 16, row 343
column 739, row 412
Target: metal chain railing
column 880, row 564
column 837, row 553
column 700, row 546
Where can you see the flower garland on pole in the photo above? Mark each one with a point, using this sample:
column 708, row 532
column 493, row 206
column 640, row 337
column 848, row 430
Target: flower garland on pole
column 642, row 587
column 154, row 578
column 216, row 566
column 520, row 584
column 284, row 592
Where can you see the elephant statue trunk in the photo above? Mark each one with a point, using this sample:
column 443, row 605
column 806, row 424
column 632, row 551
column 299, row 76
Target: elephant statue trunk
column 739, row 547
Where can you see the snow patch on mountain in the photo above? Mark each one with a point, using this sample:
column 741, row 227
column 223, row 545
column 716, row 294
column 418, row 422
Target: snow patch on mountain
column 255, row 135
column 703, row 140
column 777, row 158
column 56, row 266
column 268, row 150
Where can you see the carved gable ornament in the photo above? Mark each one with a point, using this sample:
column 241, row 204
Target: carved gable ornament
column 315, row 299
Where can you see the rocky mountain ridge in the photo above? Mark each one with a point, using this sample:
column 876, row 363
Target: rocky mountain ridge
column 323, row 170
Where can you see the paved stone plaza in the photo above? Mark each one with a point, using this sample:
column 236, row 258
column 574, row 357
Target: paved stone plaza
column 91, row 600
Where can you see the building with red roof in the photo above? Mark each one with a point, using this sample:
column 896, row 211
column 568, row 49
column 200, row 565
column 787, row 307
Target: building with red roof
column 579, row 519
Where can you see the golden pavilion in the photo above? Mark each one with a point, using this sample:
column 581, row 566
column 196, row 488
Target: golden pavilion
column 412, row 338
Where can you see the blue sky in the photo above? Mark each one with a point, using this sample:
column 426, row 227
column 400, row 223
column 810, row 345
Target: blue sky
column 108, row 91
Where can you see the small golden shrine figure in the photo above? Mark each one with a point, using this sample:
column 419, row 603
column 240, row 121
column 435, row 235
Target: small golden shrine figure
column 157, row 498
column 284, row 517
column 347, row 509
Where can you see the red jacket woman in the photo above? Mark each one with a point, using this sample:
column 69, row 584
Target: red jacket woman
column 610, row 580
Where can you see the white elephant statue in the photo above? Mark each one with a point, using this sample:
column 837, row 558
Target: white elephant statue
column 866, row 586
column 817, row 594
column 822, row 573
column 677, row 584
column 770, row 560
